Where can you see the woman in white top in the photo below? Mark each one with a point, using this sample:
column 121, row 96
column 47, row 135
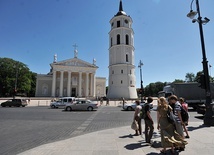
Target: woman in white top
column 137, row 118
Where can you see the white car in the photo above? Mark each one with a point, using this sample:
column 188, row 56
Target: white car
column 81, row 105
column 132, row 106
column 62, row 102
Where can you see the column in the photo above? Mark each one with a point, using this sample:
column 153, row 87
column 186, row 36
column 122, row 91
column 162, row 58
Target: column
column 86, row 88
column 53, row 84
column 80, row 85
column 69, row 84
column 92, row 85
column 61, row 84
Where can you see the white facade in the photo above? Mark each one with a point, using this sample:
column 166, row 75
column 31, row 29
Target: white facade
column 122, row 78
column 72, row 77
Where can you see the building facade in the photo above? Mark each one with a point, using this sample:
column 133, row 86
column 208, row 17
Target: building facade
column 73, row 77
column 122, row 80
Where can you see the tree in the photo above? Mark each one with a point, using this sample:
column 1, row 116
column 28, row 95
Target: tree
column 178, row 81
column 153, row 88
column 190, row 77
column 15, row 78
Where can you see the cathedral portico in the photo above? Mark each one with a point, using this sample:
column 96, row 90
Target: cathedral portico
column 73, row 77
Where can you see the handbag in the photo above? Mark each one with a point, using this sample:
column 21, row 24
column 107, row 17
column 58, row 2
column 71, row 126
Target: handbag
column 134, row 125
column 170, row 116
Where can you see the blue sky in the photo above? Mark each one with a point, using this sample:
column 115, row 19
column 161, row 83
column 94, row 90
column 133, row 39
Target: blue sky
column 167, row 42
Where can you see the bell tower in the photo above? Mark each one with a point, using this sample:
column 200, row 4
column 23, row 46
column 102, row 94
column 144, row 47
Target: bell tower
column 122, row 80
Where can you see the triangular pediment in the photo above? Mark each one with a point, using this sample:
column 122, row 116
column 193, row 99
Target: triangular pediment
column 74, row 62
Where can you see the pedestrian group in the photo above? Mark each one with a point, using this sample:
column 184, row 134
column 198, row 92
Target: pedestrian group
column 172, row 133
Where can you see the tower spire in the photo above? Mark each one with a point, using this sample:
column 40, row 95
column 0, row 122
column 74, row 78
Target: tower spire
column 121, row 6
column 120, row 12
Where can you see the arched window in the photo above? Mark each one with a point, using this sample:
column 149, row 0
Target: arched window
column 118, row 39
column 127, row 39
column 127, row 58
column 121, row 81
column 44, row 89
column 121, row 71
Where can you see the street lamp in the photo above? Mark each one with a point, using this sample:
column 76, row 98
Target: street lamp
column 141, row 81
column 208, row 118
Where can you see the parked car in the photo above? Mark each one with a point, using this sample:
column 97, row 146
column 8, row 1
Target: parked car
column 81, row 105
column 61, row 102
column 14, row 103
column 132, row 106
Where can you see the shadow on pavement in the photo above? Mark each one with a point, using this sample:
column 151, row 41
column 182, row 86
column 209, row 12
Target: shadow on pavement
column 135, row 146
column 127, row 136
column 192, row 128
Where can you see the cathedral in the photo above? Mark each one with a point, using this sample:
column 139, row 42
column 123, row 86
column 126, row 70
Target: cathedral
column 73, row 77
column 122, row 81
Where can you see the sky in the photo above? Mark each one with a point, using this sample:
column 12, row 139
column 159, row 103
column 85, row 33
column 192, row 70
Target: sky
column 165, row 40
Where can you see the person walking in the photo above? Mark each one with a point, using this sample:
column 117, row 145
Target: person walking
column 123, row 101
column 138, row 118
column 107, row 101
column 185, row 107
column 177, row 112
column 149, row 124
column 169, row 136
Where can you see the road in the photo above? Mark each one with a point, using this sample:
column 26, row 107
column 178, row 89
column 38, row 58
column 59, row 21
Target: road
column 25, row 128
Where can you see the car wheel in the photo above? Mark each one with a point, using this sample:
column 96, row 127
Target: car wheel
column 23, row 105
column 53, row 106
column 68, row 108
column 3, row 105
column 90, row 108
column 129, row 108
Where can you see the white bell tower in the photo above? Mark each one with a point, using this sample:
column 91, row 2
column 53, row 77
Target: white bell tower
column 122, row 80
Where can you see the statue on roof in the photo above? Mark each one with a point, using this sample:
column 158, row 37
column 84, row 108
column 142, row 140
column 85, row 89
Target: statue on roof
column 94, row 61
column 75, row 50
column 55, row 58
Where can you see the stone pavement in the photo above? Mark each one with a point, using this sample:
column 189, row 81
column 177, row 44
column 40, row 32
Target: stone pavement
column 120, row 141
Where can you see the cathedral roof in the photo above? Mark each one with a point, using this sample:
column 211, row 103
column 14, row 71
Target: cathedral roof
column 121, row 12
column 75, row 62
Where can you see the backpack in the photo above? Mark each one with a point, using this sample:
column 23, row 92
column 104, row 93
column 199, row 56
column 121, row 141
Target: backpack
column 184, row 114
column 143, row 113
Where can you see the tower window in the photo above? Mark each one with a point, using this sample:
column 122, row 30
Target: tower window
column 127, row 58
column 118, row 23
column 130, row 82
column 121, row 71
column 121, row 81
column 111, row 82
column 112, row 72
column 127, row 39
column 118, row 39
column 130, row 71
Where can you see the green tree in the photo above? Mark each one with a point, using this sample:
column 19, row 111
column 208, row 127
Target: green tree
column 15, row 78
column 190, row 77
column 178, row 81
column 153, row 88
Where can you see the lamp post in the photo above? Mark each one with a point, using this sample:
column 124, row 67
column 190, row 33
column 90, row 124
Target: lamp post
column 141, row 81
column 208, row 118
